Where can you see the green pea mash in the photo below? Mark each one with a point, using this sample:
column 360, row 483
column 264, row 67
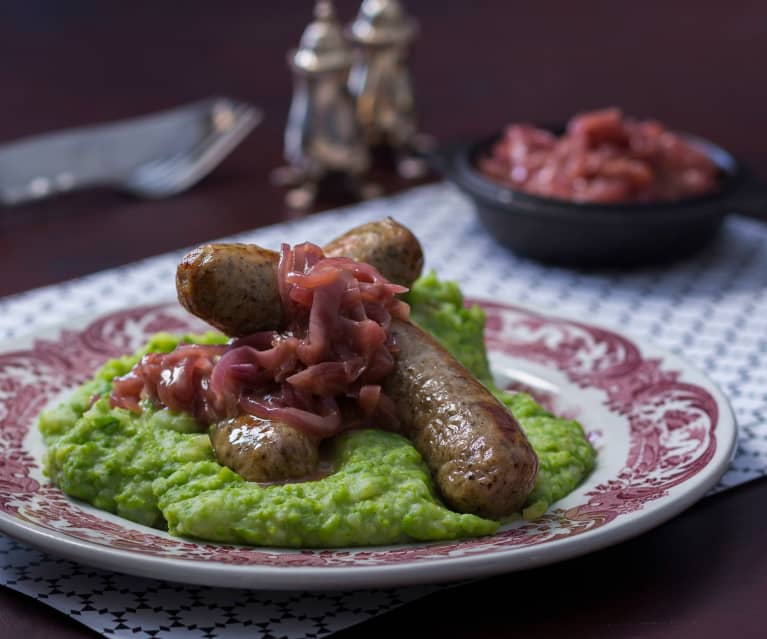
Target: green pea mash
column 158, row 469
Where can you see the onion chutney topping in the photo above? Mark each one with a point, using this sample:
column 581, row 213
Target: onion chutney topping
column 319, row 373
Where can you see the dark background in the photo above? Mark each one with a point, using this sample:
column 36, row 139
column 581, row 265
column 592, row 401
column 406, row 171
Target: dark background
column 699, row 66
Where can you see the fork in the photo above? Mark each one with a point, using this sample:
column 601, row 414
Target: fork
column 154, row 156
column 170, row 175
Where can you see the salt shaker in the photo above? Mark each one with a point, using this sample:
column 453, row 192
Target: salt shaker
column 322, row 134
column 382, row 34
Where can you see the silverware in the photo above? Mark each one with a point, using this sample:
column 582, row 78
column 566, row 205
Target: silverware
column 152, row 156
column 322, row 135
column 381, row 83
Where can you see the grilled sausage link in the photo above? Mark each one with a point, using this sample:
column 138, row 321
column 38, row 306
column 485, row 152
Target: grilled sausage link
column 233, row 287
column 388, row 245
column 476, row 450
column 262, row 450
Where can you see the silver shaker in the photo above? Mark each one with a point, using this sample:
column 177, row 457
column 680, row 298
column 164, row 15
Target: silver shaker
column 322, row 134
column 380, row 80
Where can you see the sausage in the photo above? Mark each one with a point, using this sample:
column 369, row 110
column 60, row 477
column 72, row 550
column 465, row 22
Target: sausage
column 388, row 245
column 263, row 450
column 476, row 450
column 233, row 287
column 480, row 458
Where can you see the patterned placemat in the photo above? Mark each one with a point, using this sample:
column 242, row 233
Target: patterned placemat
column 122, row 606
column 710, row 309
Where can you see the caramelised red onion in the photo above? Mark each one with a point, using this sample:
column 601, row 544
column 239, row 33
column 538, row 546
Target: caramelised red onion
column 603, row 157
column 319, row 373
column 178, row 380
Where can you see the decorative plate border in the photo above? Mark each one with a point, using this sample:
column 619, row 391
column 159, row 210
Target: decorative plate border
column 673, row 437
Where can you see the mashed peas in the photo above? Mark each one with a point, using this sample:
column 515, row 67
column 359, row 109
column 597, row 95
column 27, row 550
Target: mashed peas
column 158, row 469
column 381, row 494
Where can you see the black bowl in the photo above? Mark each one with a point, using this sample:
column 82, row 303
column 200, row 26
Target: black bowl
column 588, row 234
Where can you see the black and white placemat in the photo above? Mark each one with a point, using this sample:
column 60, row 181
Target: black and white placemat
column 123, row 606
column 710, row 309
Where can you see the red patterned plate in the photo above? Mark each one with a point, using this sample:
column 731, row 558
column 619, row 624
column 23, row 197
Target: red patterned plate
column 664, row 432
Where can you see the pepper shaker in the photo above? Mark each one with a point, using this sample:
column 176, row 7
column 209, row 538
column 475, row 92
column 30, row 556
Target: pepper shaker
column 380, row 81
column 322, row 135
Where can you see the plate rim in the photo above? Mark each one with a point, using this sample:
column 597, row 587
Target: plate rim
column 433, row 570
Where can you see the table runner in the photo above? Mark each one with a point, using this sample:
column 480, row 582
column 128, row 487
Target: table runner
column 710, row 309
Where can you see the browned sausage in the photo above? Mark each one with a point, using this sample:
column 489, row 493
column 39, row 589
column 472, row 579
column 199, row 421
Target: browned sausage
column 234, row 286
column 262, row 450
column 476, row 450
column 480, row 458
column 388, row 245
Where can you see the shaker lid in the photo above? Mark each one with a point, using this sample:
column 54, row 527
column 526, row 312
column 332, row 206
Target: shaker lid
column 382, row 22
column 323, row 46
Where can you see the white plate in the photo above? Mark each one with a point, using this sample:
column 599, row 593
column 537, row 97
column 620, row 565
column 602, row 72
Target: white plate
column 664, row 432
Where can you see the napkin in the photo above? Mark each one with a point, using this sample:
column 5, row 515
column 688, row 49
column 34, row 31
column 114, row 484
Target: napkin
column 710, row 309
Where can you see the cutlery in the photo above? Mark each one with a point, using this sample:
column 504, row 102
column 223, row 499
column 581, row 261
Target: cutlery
column 153, row 156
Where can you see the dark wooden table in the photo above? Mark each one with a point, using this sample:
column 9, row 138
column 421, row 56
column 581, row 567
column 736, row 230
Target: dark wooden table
column 477, row 66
